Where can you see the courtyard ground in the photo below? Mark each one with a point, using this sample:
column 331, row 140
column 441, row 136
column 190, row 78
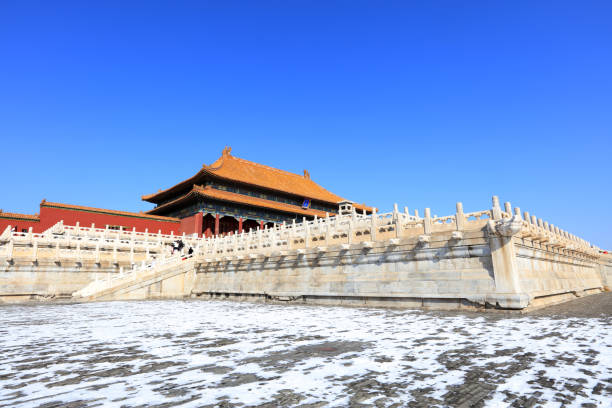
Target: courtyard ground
column 229, row 354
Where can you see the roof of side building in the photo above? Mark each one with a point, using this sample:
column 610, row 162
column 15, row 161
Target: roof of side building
column 18, row 216
column 45, row 203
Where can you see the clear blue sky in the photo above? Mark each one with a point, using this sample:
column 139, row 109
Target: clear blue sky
column 419, row 103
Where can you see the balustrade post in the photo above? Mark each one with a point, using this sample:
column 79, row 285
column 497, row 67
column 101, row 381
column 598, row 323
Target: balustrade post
column 306, row 233
column 460, row 217
column 30, row 233
column 9, row 250
column 508, row 208
column 397, row 221
column 427, row 221
column 416, row 213
column 496, row 210
column 373, row 226
column 526, row 217
column 259, row 238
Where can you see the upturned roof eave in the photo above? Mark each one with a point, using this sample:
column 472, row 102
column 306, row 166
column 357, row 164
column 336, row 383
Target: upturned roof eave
column 200, row 191
column 155, row 198
column 184, row 185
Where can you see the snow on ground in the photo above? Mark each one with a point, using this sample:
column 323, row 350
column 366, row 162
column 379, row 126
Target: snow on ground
column 207, row 353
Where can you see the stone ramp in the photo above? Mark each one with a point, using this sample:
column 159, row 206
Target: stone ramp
column 171, row 278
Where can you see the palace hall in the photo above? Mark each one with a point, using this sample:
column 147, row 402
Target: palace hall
column 233, row 195
column 229, row 196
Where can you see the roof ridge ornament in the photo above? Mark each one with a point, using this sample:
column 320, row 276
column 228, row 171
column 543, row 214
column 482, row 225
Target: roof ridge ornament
column 306, row 175
column 226, row 151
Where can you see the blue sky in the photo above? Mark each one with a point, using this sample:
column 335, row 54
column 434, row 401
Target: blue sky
column 419, row 103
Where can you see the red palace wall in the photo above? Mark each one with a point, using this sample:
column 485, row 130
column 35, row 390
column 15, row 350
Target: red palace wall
column 192, row 225
column 19, row 225
column 51, row 215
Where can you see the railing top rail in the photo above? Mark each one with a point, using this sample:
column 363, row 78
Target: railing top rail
column 280, row 232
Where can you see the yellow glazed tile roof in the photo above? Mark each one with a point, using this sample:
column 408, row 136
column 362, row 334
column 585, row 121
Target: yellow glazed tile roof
column 45, row 203
column 240, row 170
column 17, row 216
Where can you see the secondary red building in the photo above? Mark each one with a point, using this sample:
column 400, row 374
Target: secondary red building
column 51, row 213
column 19, row 222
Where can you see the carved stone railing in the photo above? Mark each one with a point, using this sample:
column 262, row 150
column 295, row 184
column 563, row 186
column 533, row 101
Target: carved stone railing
column 321, row 233
column 122, row 235
column 62, row 243
column 346, row 230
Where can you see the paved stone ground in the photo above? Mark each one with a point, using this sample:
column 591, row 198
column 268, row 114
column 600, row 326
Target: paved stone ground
column 599, row 305
column 226, row 354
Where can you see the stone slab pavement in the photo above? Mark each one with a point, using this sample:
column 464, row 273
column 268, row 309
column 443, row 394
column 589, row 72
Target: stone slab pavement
column 229, row 354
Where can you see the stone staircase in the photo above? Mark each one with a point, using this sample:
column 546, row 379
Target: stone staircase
column 171, row 277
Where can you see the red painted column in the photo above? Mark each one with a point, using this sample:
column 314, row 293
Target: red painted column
column 198, row 223
column 261, row 225
column 217, row 224
column 207, row 230
column 240, row 225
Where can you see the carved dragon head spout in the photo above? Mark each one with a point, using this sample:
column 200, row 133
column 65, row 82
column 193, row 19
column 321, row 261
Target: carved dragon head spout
column 506, row 227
